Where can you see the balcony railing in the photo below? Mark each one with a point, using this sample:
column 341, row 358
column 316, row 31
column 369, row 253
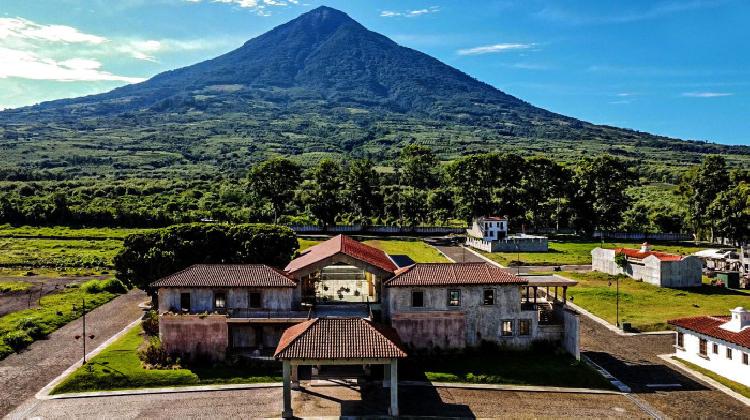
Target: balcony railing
column 266, row 314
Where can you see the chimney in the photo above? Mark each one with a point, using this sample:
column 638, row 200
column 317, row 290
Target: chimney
column 740, row 319
column 645, row 247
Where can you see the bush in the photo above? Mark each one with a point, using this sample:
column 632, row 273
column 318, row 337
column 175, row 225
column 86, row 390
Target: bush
column 154, row 355
column 151, row 323
column 33, row 327
column 17, row 340
column 107, row 285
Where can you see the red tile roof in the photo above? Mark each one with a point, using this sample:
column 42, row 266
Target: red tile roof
column 342, row 244
column 339, row 338
column 447, row 274
column 227, row 275
column 638, row 254
column 710, row 326
column 494, row 218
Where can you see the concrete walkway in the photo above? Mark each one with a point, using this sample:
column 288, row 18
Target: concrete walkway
column 25, row 373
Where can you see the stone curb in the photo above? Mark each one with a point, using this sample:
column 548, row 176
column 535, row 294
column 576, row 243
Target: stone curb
column 719, row 386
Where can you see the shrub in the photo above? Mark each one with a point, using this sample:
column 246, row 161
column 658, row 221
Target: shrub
column 17, row 340
column 33, row 327
column 151, row 323
column 107, row 285
column 154, row 355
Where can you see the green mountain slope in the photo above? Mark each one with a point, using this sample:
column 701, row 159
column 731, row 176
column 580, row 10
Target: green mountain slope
column 319, row 85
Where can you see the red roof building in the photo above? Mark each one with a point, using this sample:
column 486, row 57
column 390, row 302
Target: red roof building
column 226, row 275
column 452, row 274
column 341, row 245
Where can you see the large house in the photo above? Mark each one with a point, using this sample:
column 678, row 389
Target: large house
column 717, row 343
column 256, row 311
column 661, row 269
column 490, row 234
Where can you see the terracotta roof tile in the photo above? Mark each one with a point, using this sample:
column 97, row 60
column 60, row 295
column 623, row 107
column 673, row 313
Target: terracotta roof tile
column 447, row 274
column 710, row 326
column 638, row 254
column 339, row 338
column 227, row 275
column 342, row 244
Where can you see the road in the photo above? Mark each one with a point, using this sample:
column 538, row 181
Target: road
column 633, row 360
column 22, row 375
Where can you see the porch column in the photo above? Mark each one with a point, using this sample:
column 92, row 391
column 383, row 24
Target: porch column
column 394, row 387
column 286, row 372
column 294, row 377
column 534, row 294
column 565, row 294
column 386, row 376
column 555, row 293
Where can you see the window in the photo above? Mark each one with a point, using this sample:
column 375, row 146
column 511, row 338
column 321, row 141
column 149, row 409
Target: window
column 220, row 300
column 185, row 301
column 417, row 299
column 715, row 348
column 524, row 327
column 454, row 298
column 745, row 359
column 702, row 344
column 507, row 328
column 680, row 340
column 729, row 353
column 489, row 296
column 254, row 300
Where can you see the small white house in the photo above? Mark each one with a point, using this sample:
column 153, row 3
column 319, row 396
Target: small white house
column 661, row 269
column 725, row 259
column 490, row 234
column 718, row 343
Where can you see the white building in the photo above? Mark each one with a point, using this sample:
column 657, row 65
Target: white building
column 490, row 234
column 725, row 259
column 661, row 269
column 718, row 343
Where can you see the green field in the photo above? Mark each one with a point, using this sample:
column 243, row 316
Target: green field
column 541, row 367
column 11, row 286
column 118, row 367
column 647, row 307
column 63, row 232
column 576, row 253
column 734, row 386
column 35, row 252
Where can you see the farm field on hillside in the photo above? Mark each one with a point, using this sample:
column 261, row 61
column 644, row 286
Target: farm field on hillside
column 577, row 253
column 647, row 307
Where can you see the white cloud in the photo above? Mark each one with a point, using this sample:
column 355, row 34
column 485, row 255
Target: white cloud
column 20, row 28
column 410, row 13
column 496, row 48
column 706, row 94
column 259, row 6
column 28, row 65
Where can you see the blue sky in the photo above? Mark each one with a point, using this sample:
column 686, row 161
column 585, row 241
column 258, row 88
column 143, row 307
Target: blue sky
column 674, row 67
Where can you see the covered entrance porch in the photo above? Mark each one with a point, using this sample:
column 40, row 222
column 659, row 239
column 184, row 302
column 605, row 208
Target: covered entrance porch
column 338, row 342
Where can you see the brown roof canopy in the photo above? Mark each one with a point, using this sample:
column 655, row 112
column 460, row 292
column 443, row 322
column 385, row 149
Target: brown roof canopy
column 339, row 338
column 452, row 274
column 227, row 275
column 711, row 326
column 342, row 244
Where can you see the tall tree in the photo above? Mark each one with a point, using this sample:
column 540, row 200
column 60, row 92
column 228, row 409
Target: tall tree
column 323, row 191
column 472, row 179
column 362, row 190
column 599, row 198
column 703, row 185
column 275, row 180
column 418, row 167
column 730, row 213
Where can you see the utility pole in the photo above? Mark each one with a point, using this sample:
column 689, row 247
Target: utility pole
column 84, row 329
column 618, row 302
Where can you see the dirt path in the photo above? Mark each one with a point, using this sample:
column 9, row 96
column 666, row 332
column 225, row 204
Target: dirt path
column 41, row 286
column 25, row 373
column 633, row 360
column 459, row 254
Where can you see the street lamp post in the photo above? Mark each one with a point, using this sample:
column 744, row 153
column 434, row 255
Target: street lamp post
column 83, row 336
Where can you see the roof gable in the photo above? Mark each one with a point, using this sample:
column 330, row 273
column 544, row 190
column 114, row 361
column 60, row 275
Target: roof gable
column 447, row 274
column 339, row 338
column 342, row 244
column 226, row 275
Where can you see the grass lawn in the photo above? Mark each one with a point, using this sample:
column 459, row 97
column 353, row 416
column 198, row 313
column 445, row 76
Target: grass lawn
column 118, row 367
column 7, row 286
column 577, row 253
column 416, row 250
column 533, row 367
column 37, row 252
column 734, row 386
column 19, row 329
column 649, row 307
column 64, row 232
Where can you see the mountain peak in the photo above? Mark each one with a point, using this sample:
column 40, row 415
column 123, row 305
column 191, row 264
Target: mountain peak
column 324, row 16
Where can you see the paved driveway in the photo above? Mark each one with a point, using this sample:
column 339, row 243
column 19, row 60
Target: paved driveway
column 23, row 374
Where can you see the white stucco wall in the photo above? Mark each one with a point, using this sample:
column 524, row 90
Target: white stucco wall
column 732, row 369
column 678, row 274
